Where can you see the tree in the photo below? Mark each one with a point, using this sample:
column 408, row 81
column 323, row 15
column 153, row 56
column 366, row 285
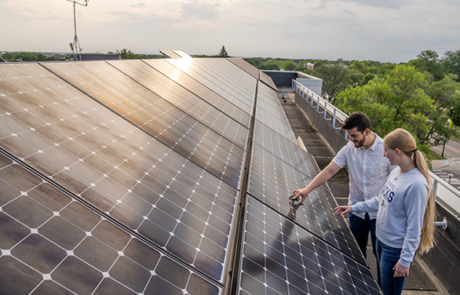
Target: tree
column 367, row 78
column 288, row 65
column 334, row 79
column 270, row 65
column 8, row 56
column 385, row 69
column 26, row 56
column 451, row 62
column 127, row 54
column 428, row 61
column 362, row 66
column 223, row 52
column 445, row 94
column 397, row 100
column 455, row 113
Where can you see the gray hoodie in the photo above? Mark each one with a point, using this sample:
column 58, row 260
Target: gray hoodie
column 401, row 207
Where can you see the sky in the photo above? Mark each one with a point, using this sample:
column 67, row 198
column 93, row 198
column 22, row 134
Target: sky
column 383, row 30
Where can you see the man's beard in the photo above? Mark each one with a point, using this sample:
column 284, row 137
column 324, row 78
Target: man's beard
column 361, row 142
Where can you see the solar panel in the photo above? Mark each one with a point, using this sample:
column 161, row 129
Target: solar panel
column 216, row 85
column 244, row 65
column 184, row 100
column 182, row 54
column 171, row 53
column 157, row 116
column 270, row 112
column 200, row 90
column 285, row 149
column 272, row 181
column 267, row 80
column 52, row 244
column 280, row 257
column 231, row 74
column 99, row 157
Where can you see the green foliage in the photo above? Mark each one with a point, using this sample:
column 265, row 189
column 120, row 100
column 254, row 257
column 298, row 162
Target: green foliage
column 385, row 69
column 127, row 54
column 288, row 65
column 451, row 63
column 8, row 56
column 397, row 100
column 223, row 52
column 455, row 113
column 25, row 56
column 361, row 66
column 334, row 77
column 270, row 65
column 428, row 61
column 355, row 77
column 445, row 94
column 369, row 76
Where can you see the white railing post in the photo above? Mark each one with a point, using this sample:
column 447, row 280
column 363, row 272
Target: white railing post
column 333, row 122
column 312, row 99
column 325, row 111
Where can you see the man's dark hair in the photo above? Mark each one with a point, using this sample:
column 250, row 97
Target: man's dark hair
column 358, row 120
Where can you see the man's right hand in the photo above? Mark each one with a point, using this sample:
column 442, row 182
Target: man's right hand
column 300, row 193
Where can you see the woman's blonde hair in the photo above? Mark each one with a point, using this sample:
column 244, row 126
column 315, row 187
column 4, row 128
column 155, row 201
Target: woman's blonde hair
column 405, row 142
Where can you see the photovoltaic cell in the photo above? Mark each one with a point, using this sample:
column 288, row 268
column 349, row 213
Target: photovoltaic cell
column 200, row 90
column 280, row 257
column 270, row 112
column 184, row 100
column 272, row 181
column 216, row 85
column 158, row 117
column 250, row 69
column 99, row 157
column 51, row 244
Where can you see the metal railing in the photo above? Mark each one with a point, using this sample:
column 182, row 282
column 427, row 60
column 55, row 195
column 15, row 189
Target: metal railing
column 312, row 98
column 446, row 192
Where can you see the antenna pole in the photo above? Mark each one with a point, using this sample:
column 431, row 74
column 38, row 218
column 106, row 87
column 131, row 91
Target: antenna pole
column 75, row 29
column 76, row 48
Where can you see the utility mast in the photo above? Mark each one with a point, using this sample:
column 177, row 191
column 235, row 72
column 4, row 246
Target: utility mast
column 75, row 46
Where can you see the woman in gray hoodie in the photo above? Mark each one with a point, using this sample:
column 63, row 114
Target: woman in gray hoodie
column 406, row 211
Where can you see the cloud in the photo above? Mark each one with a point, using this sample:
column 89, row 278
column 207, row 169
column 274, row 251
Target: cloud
column 200, row 10
column 390, row 4
column 137, row 5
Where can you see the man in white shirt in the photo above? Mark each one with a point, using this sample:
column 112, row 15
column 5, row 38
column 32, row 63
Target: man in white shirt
column 368, row 170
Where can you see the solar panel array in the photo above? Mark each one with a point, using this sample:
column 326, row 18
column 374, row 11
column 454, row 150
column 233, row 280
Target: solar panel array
column 127, row 176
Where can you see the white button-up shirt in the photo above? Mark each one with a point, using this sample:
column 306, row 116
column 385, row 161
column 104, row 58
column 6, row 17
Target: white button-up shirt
column 368, row 171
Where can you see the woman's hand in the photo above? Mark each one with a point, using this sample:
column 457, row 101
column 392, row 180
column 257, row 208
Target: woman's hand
column 300, row 193
column 343, row 210
column 400, row 271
